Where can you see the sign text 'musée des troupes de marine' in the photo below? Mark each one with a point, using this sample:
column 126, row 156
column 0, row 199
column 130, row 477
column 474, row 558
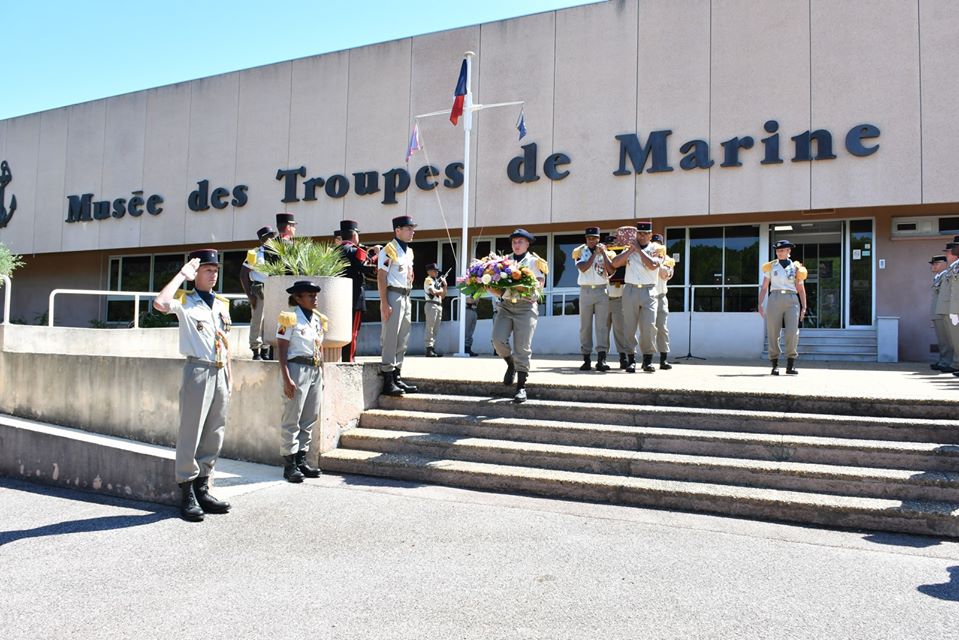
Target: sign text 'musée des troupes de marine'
column 521, row 169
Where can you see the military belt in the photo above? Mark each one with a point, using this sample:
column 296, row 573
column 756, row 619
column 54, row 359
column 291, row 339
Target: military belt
column 592, row 286
column 399, row 290
column 639, row 286
column 307, row 360
column 787, row 291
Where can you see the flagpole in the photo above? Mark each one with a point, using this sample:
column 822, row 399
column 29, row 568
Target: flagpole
column 464, row 249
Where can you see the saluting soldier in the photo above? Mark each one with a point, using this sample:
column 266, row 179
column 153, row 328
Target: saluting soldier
column 435, row 290
column 938, row 265
column 616, row 322
column 253, row 282
column 394, row 280
column 361, row 265
column 639, row 304
column 204, row 321
column 666, row 272
column 786, row 307
column 299, row 339
column 595, row 265
column 517, row 315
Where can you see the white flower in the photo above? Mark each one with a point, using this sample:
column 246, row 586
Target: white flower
column 487, row 278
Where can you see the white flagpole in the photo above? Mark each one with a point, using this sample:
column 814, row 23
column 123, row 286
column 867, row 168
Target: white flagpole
column 464, row 249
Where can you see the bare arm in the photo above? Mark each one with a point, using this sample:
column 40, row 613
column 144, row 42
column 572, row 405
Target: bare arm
column 801, row 290
column 385, row 309
column 187, row 272
column 763, row 290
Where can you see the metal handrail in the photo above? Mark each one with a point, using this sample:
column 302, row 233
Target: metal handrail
column 7, row 285
column 117, row 294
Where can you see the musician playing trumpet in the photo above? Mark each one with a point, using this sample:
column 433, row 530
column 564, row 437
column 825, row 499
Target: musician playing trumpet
column 434, row 286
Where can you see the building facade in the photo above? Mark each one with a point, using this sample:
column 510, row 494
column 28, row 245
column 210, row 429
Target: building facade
column 729, row 123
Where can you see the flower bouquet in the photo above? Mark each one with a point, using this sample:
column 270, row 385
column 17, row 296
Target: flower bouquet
column 497, row 272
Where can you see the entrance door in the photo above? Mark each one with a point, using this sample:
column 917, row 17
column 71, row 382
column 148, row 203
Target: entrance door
column 819, row 247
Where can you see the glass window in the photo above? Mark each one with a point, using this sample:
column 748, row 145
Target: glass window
column 706, row 267
column 860, row 272
column 423, row 253
column 135, row 273
column 166, row 266
column 565, row 273
column 566, row 305
column 676, row 248
column 230, row 265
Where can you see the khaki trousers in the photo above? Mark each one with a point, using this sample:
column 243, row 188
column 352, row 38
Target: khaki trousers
column 639, row 314
column 616, row 322
column 434, row 313
column 519, row 319
column 782, row 307
column 257, row 340
column 593, row 312
column 471, row 316
column 946, row 348
column 301, row 413
column 395, row 334
column 662, row 329
column 204, row 396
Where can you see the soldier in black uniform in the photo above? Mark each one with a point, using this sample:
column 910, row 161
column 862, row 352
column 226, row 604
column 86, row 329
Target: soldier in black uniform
column 362, row 264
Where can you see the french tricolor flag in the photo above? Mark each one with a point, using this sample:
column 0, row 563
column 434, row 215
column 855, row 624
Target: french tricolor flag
column 459, row 95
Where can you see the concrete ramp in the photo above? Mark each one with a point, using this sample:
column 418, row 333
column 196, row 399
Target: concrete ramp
column 62, row 456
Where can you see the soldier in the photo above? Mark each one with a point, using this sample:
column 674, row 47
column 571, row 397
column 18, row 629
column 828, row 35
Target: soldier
column 286, row 226
column 948, row 303
column 361, row 265
column 252, row 282
column 337, row 237
column 594, row 265
column 394, row 280
column 639, row 304
column 517, row 315
column 615, row 321
column 434, row 287
column 471, row 317
column 939, row 266
column 666, row 272
column 783, row 281
column 204, row 321
column 299, row 340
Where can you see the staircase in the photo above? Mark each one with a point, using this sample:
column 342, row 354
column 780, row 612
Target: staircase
column 842, row 345
column 823, row 461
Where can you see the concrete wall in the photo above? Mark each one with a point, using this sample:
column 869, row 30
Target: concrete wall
column 138, row 398
column 706, row 70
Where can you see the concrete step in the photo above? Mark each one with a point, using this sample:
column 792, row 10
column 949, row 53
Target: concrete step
column 924, row 518
column 777, row 402
column 896, row 484
column 61, row 456
column 887, row 454
column 943, row 432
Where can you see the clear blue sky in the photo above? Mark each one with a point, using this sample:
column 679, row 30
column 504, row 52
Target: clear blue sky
column 60, row 52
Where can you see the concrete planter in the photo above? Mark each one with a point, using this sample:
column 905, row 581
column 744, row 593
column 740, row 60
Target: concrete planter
column 334, row 301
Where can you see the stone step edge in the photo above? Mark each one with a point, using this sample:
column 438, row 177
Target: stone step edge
column 924, row 518
column 807, row 469
column 729, row 437
column 753, row 414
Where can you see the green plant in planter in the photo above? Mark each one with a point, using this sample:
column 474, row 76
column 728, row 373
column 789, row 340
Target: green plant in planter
column 303, row 257
column 9, row 262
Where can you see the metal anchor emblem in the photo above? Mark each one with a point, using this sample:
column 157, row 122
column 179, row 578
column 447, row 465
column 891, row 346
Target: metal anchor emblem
column 5, row 178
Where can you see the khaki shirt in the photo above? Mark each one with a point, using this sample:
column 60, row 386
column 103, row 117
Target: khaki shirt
column 306, row 337
column 596, row 275
column 636, row 270
column 398, row 265
column 202, row 329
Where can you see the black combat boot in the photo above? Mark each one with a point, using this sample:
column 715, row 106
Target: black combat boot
column 190, row 509
column 648, row 363
column 290, row 471
column 389, row 384
column 775, row 364
column 406, row 387
column 631, row 364
column 623, row 363
column 601, row 361
column 201, row 488
column 305, row 469
column 266, row 353
column 587, row 365
column 791, row 366
column 520, row 395
column 431, row 353
column 510, row 371
column 665, row 366
column 469, row 350
column 256, row 354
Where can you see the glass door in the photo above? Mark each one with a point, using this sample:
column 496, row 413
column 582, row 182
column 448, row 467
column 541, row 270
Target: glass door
column 819, row 247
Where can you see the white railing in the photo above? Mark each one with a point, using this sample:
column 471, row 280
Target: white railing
column 136, row 295
column 6, row 298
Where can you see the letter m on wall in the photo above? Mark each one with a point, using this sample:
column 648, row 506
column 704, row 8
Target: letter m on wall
column 79, row 209
column 638, row 153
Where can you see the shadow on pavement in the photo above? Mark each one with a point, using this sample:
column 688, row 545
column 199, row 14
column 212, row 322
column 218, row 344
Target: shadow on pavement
column 105, row 523
column 902, row 540
column 946, row 590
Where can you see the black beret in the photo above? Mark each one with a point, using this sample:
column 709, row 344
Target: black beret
column 206, row 256
column 304, row 285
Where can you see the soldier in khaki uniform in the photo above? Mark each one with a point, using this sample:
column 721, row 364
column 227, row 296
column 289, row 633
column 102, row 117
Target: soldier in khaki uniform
column 786, row 308
column 639, row 304
column 434, row 289
column 517, row 315
column 204, row 321
column 948, row 303
column 595, row 265
column 394, row 280
column 939, row 266
column 615, row 321
column 253, row 282
column 666, row 271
